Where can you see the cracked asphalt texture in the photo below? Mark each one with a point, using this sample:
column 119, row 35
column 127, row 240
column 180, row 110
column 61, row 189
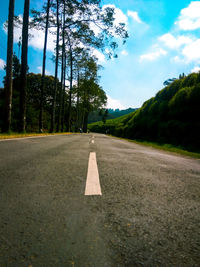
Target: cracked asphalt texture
column 148, row 214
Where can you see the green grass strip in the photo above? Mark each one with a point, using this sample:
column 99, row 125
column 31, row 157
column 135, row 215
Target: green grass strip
column 19, row 135
column 165, row 147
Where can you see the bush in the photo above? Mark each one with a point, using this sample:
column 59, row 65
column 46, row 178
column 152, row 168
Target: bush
column 172, row 116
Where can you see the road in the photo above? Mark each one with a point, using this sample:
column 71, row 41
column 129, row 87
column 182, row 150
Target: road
column 148, row 213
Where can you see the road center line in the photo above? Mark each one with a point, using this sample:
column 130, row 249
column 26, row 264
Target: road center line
column 92, row 183
column 92, row 141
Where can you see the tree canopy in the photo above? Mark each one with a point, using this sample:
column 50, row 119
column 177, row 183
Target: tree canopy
column 80, row 27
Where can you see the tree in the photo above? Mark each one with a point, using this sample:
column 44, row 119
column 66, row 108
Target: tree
column 79, row 20
column 56, row 68
column 43, row 68
column 182, row 76
column 93, row 98
column 79, row 27
column 33, row 92
column 8, row 83
column 22, row 121
column 169, row 81
column 33, row 100
column 60, row 121
column 104, row 116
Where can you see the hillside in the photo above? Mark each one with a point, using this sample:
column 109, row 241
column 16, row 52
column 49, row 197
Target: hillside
column 112, row 114
column 172, row 116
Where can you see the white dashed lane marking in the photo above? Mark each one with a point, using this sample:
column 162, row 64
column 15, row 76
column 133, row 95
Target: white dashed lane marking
column 92, row 183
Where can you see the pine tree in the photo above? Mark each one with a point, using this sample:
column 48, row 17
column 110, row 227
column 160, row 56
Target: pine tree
column 43, row 68
column 22, row 122
column 8, row 83
column 56, row 69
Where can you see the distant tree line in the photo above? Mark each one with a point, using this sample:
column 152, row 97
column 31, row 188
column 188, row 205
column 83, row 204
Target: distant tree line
column 90, row 97
column 107, row 114
column 172, row 116
column 29, row 101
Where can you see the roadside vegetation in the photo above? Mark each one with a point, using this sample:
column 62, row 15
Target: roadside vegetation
column 171, row 117
column 108, row 114
column 21, row 135
column 165, row 147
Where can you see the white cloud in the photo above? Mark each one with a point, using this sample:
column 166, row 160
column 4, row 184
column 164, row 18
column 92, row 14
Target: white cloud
column 154, row 55
column 170, row 41
column 196, row 69
column 192, row 51
column 67, row 83
column 124, row 53
column 40, row 70
column 114, row 103
column 189, row 47
column 119, row 17
column 2, row 64
column 38, row 40
column 99, row 56
column 178, row 60
column 37, row 37
column 134, row 15
column 189, row 18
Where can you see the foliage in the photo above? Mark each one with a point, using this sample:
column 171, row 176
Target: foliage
column 111, row 114
column 82, row 25
column 169, row 81
column 91, row 97
column 33, row 101
column 172, row 116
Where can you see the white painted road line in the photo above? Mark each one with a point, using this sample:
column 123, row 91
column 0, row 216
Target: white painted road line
column 92, row 184
column 92, row 141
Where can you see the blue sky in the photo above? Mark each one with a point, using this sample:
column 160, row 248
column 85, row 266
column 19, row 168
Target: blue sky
column 164, row 42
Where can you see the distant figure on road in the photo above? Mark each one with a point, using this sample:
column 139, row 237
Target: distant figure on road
column 81, row 131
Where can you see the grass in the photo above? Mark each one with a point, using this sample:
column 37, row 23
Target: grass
column 165, row 147
column 18, row 135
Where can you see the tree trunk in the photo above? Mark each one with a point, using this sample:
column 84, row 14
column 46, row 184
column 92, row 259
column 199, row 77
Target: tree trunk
column 60, row 110
column 8, row 84
column 22, row 123
column 63, row 72
column 56, row 72
column 77, row 104
column 85, row 121
column 63, row 99
column 70, row 92
column 43, row 70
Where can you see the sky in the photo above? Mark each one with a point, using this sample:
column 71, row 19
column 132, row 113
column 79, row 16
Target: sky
column 164, row 41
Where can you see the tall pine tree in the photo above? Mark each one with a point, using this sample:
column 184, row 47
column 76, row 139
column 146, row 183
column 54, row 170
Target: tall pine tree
column 22, row 121
column 8, row 83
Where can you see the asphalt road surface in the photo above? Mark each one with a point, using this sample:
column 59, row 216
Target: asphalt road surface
column 148, row 212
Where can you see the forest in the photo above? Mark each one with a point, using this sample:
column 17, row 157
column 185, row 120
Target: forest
column 32, row 102
column 107, row 114
column 171, row 117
